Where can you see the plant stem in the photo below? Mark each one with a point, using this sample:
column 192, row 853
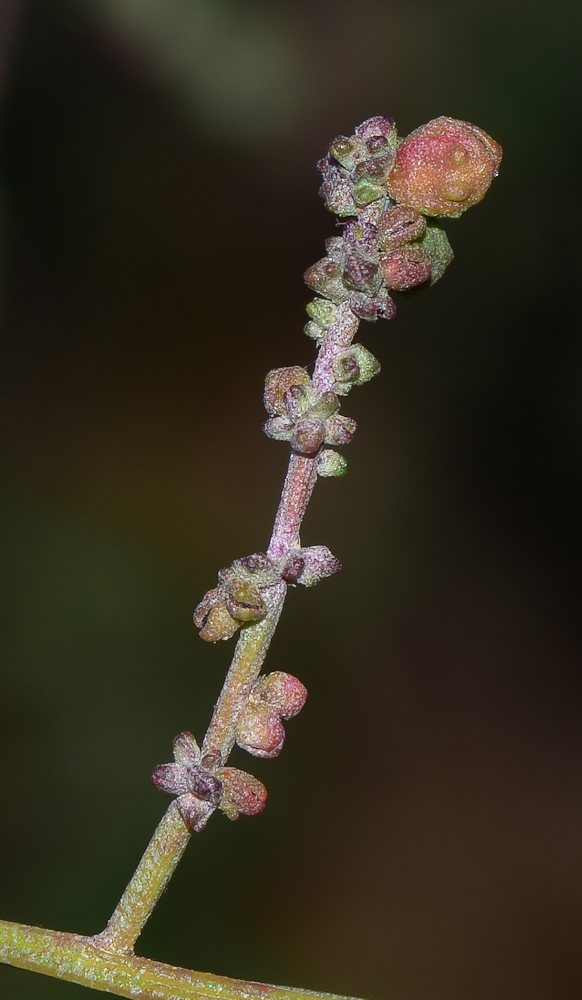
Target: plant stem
column 297, row 489
column 82, row 957
column 152, row 875
column 172, row 835
column 77, row 959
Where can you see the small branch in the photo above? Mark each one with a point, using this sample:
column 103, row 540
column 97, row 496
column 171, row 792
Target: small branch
column 152, row 875
column 78, row 960
column 299, row 482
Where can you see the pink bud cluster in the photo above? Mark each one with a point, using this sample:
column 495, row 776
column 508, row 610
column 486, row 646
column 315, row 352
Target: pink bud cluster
column 202, row 785
column 300, row 416
column 239, row 599
column 274, row 697
column 385, row 187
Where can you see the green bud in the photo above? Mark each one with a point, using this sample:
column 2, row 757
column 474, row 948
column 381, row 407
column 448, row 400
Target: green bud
column 365, row 192
column 322, row 312
column 314, row 331
column 436, row 245
column 331, row 463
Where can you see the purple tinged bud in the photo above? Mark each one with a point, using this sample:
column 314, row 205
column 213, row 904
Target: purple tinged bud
column 379, row 125
column 277, row 383
column 361, row 275
column 259, row 731
column 354, row 366
column 242, row 793
column 205, row 786
column 379, row 306
column 319, row 563
column 339, row 429
column 376, row 169
column 171, row 778
column 398, row 225
column 279, row 428
column 406, row 267
column 347, row 151
column 194, row 812
column 335, row 189
column 210, row 759
column 308, row 435
column 281, row 691
column 293, row 567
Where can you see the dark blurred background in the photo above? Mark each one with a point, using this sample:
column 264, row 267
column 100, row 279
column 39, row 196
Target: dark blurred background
column 423, row 835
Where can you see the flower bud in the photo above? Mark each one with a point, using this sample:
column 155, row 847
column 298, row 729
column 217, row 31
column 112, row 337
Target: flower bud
column 244, row 601
column 335, row 189
column 194, row 811
column 325, row 277
column 366, row 191
column 171, row 778
column 318, row 563
column 347, row 151
column 375, row 170
column 398, row 225
column 331, row 463
column 279, row 428
column 438, row 250
column 308, row 435
column 277, row 383
column 259, row 730
column 378, row 127
column 354, row 366
column 186, row 749
column 322, row 312
column 281, row 691
column 241, row 793
column 205, row 786
column 293, row 567
column 406, row 267
column 314, row 331
column 339, row 429
column 444, row 167
column 361, row 275
column 378, row 306
column 213, row 619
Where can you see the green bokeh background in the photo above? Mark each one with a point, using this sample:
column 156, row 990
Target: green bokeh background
column 159, row 203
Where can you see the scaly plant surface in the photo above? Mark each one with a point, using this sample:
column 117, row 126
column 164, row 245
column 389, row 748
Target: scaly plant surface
column 390, row 194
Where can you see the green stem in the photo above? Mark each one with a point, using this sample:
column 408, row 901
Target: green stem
column 171, row 837
column 78, row 960
column 152, row 875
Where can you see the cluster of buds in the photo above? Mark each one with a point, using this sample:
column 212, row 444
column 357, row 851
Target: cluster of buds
column 298, row 415
column 239, row 598
column 385, row 187
column 202, row 785
column 276, row 696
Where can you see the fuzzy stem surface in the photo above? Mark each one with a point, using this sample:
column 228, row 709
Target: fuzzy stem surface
column 151, row 877
column 78, row 960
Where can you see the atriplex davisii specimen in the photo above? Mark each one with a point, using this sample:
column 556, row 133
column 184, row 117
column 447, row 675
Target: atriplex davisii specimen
column 390, row 194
